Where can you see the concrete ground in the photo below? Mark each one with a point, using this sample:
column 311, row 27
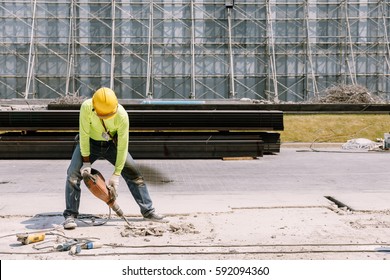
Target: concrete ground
column 327, row 204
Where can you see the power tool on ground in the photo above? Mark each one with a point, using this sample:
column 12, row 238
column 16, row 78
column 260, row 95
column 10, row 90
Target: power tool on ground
column 96, row 183
column 28, row 238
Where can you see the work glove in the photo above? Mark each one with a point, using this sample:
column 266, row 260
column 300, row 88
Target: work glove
column 85, row 168
column 113, row 185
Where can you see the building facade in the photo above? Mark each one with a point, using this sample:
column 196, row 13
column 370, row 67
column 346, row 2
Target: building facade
column 274, row 50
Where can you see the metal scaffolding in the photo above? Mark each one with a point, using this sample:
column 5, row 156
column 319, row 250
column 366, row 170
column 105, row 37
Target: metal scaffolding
column 274, row 50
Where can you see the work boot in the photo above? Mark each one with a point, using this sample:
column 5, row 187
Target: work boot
column 70, row 223
column 155, row 218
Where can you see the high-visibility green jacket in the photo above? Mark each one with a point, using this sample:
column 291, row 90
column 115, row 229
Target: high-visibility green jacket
column 91, row 126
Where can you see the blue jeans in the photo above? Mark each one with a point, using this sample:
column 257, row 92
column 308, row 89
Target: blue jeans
column 130, row 173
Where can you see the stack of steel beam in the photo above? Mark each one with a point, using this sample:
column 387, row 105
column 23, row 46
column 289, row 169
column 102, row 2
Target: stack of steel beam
column 160, row 134
column 149, row 119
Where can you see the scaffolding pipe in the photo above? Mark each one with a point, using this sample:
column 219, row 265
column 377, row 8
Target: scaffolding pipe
column 386, row 37
column 193, row 80
column 31, row 55
column 74, row 57
column 309, row 53
column 112, row 73
column 149, row 85
column 232, row 93
column 352, row 69
column 271, row 53
column 71, row 39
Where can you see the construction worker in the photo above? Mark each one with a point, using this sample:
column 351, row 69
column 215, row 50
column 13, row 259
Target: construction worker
column 104, row 133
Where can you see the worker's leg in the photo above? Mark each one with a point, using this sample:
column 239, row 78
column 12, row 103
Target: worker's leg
column 72, row 186
column 135, row 182
column 73, row 179
column 137, row 186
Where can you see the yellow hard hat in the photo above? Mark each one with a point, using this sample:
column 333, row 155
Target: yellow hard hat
column 105, row 103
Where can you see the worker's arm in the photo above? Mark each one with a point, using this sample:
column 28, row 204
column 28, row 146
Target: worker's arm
column 85, row 129
column 122, row 124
